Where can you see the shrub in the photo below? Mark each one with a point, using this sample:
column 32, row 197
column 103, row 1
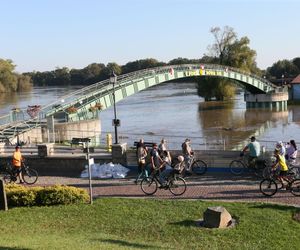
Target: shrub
column 61, row 195
column 24, row 196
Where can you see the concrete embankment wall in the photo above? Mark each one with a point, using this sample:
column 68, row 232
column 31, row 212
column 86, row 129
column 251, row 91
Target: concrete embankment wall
column 60, row 166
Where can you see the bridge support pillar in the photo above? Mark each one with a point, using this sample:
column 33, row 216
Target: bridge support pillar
column 277, row 101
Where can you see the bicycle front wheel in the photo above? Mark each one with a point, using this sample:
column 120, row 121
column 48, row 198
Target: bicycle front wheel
column 149, row 185
column 236, row 167
column 30, row 175
column 177, row 186
column 295, row 187
column 199, row 167
column 268, row 187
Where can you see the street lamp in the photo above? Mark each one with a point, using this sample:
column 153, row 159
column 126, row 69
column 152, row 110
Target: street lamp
column 116, row 122
column 282, row 77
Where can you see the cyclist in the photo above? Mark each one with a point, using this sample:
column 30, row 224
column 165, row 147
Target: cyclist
column 281, row 147
column 187, row 153
column 17, row 162
column 156, row 160
column 254, row 151
column 166, row 168
column 280, row 162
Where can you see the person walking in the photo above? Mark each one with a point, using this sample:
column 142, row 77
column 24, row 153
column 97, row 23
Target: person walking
column 187, row 153
column 141, row 159
column 291, row 151
column 17, row 163
column 162, row 147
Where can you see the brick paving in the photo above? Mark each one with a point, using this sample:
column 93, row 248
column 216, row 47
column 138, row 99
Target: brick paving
column 214, row 187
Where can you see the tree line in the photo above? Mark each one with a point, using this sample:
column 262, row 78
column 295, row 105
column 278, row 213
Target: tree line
column 227, row 49
column 11, row 81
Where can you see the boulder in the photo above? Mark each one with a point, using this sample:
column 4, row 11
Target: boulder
column 216, row 217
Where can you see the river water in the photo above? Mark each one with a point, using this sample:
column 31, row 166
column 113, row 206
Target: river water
column 174, row 111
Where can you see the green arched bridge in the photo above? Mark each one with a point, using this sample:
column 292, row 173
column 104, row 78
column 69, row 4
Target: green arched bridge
column 84, row 103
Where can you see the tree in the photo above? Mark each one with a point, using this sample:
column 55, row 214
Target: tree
column 93, row 73
column 24, row 83
column 141, row 64
column 210, row 88
column 296, row 62
column 110, row 68
column 231, row 51
column 223, row 39
column 8, row 79
column 283, row 67
column 62, row 76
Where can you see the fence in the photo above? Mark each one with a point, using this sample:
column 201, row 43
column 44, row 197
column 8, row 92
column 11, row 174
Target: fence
column 99, row 139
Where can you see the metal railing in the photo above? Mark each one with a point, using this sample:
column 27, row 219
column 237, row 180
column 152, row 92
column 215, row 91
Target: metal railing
column 104, row 87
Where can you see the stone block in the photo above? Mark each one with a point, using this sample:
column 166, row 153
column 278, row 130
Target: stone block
column 45, row 150
column 216, row 217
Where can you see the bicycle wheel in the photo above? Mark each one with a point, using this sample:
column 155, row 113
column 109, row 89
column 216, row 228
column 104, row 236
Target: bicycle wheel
column 295, row 187
column 30, row 175
column 199, row 167
column 237, row 167
column 268, row 187
column 177, row 186
column 8, row 178
column 149, row 186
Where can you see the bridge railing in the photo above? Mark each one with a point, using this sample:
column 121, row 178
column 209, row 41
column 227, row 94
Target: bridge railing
column 105, row 86
column 71, row 98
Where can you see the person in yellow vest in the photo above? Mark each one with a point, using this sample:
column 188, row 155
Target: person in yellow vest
column 17, row 162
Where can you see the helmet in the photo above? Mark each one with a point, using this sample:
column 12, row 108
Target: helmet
column 180, row 158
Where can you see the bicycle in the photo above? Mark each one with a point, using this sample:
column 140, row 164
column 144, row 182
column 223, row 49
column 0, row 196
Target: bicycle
column 269, row 186
column 293, row 170
column 175, row 184
column 238, row 166
column 194, row 166
column 10, row 174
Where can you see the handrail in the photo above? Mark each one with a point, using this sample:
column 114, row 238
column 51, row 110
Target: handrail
column 70, row 99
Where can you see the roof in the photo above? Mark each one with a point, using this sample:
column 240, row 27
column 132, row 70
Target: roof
column 296, row 80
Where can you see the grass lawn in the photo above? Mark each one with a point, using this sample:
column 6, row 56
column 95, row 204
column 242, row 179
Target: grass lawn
column 113, row 223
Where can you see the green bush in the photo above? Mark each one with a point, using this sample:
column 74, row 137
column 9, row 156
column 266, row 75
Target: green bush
column 61, row 195
column 44, row 196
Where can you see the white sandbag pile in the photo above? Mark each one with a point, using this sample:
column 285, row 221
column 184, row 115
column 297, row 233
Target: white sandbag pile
column 105, row 171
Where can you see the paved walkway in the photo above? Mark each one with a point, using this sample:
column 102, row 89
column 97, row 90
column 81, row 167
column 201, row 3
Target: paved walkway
column 220, row 187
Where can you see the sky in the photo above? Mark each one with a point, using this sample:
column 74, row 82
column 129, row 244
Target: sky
column 41, row 35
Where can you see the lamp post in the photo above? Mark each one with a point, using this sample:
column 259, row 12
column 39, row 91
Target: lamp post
column 116, row 122
column 282, row 77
